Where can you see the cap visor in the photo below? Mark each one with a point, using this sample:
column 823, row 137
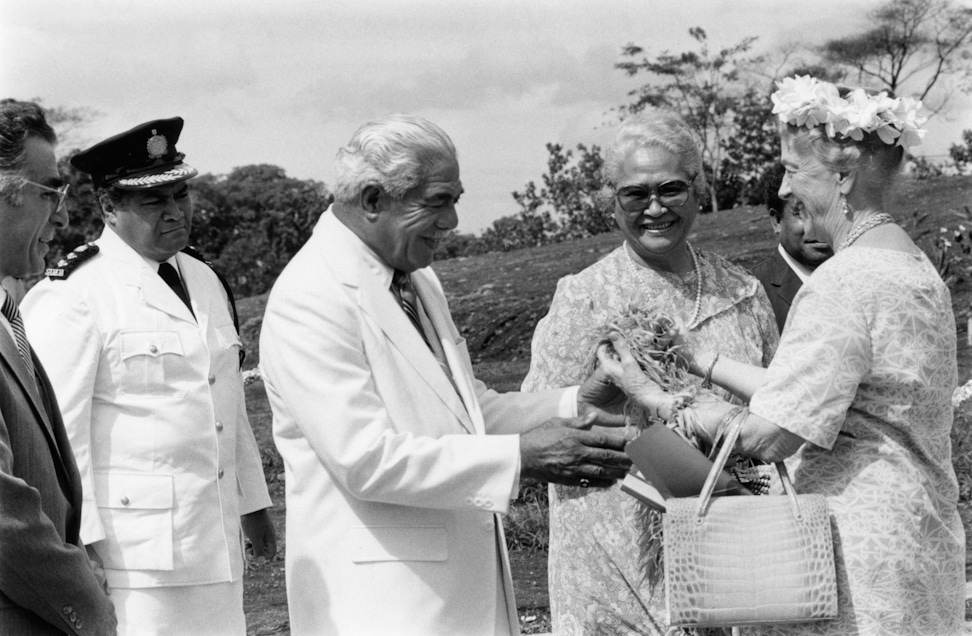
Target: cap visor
column 177, row 173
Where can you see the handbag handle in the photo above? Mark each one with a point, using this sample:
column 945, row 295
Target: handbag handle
column 736, row 418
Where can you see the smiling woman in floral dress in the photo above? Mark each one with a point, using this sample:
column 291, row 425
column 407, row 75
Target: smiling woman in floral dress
column 655, row 181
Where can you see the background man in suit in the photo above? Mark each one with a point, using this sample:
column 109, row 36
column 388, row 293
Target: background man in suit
column 795, row 258
column 157, row 417
column 397, row 459
column 47, row 583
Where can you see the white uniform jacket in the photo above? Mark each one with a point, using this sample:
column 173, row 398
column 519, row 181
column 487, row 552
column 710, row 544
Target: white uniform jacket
column 153, row 403
column 393, row 484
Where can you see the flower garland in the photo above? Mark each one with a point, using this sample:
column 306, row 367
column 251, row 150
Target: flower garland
column 807, row 101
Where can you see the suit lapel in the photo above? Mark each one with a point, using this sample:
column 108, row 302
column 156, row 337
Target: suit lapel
column 379, row 303
column 790, row 283
column 192, row 272
column 11, row 358
column 345, row 257
column 438, row 312
column 156, row 293
column 136, row 272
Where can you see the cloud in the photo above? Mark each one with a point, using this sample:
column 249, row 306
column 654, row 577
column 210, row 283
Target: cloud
column 514, row 72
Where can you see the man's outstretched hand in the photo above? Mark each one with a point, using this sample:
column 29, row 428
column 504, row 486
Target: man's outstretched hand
column 565, row 451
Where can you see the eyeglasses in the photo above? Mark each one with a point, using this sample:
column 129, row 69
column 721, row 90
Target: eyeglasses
column 671, row 194
column 55, row 196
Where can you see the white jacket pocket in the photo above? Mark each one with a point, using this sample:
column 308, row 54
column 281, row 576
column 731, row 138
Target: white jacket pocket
column 151, row 364
column 136, row 511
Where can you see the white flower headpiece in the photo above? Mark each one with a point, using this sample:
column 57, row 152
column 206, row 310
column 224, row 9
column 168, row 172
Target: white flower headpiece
column 807, row 101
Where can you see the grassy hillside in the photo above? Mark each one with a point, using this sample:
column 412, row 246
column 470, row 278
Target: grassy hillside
column 498, row 298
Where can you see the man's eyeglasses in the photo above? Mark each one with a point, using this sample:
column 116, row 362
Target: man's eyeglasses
column 671, row 194
column 54, row 196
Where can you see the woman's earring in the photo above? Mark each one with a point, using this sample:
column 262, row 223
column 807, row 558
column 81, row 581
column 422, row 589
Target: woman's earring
column 844, row 207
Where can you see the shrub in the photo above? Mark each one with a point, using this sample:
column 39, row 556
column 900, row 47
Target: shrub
column 527, row 525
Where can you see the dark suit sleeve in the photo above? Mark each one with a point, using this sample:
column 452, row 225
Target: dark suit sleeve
column 39, row 571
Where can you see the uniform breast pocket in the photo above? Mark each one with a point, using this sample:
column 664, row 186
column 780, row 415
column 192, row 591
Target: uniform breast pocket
column 150, row 363
column 136, row 511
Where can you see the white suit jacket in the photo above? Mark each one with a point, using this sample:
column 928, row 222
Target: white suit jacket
column 392, row 484
column 153, row 403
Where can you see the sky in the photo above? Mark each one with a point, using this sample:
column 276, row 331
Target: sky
column 287, row 82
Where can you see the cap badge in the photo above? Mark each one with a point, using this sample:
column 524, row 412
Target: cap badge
column 157, row 145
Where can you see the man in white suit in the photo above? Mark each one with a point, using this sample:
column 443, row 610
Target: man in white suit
column 398, row 461
column 139, row 342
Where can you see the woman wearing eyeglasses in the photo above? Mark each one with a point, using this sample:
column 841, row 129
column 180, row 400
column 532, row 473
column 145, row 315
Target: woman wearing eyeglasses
column 654, row 177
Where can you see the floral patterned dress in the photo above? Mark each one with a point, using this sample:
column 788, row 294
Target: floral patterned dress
column 865, row 372
column 595, row 580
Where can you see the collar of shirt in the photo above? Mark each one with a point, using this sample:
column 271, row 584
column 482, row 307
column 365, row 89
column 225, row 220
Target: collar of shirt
column 374, row 262
column 155, row 264
column 801, row 270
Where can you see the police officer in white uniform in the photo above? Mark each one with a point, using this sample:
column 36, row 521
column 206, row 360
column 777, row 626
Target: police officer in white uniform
column 140, row 345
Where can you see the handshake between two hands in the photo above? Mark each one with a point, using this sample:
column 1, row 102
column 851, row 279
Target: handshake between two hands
column 567, row 451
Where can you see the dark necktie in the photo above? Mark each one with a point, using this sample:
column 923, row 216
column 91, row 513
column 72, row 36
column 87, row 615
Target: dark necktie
column 405, row 294
column 12, row 315
column 171, row 278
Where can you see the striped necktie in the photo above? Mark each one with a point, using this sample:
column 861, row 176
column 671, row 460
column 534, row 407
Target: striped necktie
column 12, row 315
column 405, row 295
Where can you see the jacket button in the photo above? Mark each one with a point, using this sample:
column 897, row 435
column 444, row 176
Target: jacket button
column 125, row 501
column 212, row 379
column 67, row 609
column 78, row 623
column 219, row 473
column 219, row 426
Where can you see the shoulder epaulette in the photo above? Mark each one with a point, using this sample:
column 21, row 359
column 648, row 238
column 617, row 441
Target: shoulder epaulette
column 71, row 262
column 196, row 254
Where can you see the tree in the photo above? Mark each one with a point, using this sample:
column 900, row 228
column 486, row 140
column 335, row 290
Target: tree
column 910, row 43
column 70, row 124
column 567, row 206
column 962, row 153
column 253, row 220
column 751, row 152
column 457, row 244
column 701, row 85
column 84, row 212
column 515, row 232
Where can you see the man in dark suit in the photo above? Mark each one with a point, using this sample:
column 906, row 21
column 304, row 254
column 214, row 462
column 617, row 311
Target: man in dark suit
column 795, row 258
column 47, row 583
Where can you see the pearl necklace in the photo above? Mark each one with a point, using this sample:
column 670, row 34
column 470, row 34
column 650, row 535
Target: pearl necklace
column 867, row 224
column 692, row 324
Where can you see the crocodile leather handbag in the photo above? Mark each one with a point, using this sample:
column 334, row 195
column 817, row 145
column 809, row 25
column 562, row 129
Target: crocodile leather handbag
column 748, row 560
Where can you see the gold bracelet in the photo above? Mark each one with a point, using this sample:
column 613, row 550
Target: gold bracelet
column 707, row 378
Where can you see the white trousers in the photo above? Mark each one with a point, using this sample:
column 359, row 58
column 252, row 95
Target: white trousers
column 189, row 610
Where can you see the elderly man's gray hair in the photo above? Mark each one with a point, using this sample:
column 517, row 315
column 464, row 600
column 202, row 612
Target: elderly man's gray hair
column 395, row 152
column 662, row 129
column 18, row 122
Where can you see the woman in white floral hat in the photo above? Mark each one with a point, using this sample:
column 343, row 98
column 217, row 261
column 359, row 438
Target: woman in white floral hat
column 857, row 398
